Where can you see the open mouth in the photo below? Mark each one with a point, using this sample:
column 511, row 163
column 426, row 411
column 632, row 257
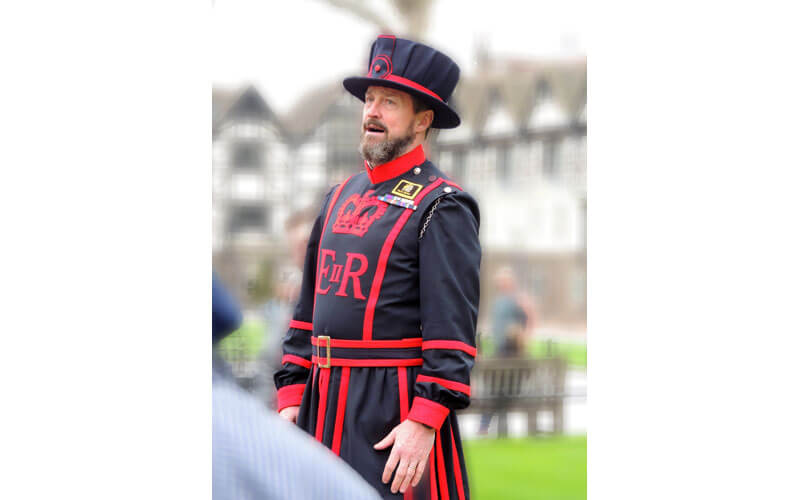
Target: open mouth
column 374, row 128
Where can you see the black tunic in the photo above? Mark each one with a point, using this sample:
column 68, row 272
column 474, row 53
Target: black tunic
column 400, row 311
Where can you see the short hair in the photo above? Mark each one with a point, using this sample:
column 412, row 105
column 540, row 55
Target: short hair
column 420, row 106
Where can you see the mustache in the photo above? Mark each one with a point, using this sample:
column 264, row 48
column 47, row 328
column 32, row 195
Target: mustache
column 374, row 122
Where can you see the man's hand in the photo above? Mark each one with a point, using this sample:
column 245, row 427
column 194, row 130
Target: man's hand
column 290, row 413
column 412, row 446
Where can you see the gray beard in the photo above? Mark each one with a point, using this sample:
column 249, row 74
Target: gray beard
column 384, row 151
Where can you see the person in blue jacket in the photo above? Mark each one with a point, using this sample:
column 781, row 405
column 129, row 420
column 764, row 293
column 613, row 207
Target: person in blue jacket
column 379, row 351
column 255, row 453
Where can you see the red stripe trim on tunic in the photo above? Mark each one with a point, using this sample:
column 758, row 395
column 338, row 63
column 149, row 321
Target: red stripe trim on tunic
column 383, row 259
column 402, row 386
column 323, row 402
column 290, row 395
column 368, row 344
column 340, row 408
column 450, row 344
column 367, row 362
column 450, row 384
column 457, row 467
column 444, row 490
column 300, row 325
column 317, row 277
column 297, row 360
column 402, row 390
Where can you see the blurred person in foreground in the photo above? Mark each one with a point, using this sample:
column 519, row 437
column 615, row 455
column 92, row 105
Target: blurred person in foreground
column 380, row 349
column 512, row 319
column 277, row 311
column 249, row 444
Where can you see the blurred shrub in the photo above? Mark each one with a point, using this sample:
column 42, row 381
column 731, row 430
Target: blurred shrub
column 260, row 288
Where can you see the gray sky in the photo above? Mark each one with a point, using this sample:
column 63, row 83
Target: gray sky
column 290, row 49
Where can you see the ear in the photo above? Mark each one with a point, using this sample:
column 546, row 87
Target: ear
column 424, row 120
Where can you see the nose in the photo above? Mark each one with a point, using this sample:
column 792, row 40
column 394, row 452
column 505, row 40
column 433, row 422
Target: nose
column 371, row 109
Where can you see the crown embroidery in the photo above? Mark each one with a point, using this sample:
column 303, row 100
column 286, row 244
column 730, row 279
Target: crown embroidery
column 358, row 213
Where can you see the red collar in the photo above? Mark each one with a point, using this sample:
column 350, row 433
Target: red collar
column 398, row 166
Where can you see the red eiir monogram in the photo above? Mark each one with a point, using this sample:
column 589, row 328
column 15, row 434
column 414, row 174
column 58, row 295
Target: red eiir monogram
column 342, row 274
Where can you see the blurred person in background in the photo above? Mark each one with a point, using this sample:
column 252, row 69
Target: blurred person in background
column 382, row 341
column 249, row 444
column 278, row 310
column 512, row 316
column 511, row 322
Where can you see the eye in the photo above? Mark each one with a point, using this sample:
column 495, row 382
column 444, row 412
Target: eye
column 389, row 101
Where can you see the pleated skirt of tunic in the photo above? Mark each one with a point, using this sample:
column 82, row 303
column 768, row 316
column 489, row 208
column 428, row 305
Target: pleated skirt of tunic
column 350, row 409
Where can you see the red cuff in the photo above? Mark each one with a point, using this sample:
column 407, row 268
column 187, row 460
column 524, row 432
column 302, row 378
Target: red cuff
column 290, row 395
column 428, row 412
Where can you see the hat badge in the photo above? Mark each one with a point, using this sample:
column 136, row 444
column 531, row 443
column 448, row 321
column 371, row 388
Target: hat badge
column 381, row 67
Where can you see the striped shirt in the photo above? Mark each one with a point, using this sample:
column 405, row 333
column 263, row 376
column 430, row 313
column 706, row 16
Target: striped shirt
column 258, row 455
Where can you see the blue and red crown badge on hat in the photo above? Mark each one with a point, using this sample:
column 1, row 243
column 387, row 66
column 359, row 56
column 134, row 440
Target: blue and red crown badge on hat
column 412, row 67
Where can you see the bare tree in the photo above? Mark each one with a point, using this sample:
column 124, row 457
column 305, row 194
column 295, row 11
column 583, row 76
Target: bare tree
column 414, row 14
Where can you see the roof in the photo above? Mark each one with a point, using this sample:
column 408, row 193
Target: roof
column 245, row 102
column 309, row 112
column 513, row 84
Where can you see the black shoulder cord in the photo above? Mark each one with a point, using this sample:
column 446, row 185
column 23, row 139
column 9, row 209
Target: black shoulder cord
column 428, row 218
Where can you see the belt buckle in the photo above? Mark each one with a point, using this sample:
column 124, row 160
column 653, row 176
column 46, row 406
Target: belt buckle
column 328, row 346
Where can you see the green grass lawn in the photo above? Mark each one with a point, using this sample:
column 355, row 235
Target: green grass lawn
column 244, row 343
column 550, row 468
column 573, row 352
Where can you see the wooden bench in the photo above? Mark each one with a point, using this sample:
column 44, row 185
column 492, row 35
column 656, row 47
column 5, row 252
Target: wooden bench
column 528, row 385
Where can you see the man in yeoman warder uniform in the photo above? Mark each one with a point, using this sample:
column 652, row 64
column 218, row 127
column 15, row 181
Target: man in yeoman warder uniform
column 379, row 351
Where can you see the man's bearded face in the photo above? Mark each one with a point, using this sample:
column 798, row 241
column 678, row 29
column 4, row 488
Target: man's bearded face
column 379, row 150
column 387, row 125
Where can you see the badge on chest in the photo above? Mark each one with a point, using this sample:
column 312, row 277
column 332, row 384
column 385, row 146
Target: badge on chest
column 407, row 189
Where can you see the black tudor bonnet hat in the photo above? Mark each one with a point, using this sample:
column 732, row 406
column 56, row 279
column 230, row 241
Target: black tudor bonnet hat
column 415, row 68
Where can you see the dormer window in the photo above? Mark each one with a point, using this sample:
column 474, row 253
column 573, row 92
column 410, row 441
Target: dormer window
column 247, row 155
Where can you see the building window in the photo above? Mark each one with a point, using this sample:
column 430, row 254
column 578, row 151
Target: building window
column 248, row 218
column 247, row 187
column 503, row 166
column 543, row 92
column 247, row 155
column 551, row 159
